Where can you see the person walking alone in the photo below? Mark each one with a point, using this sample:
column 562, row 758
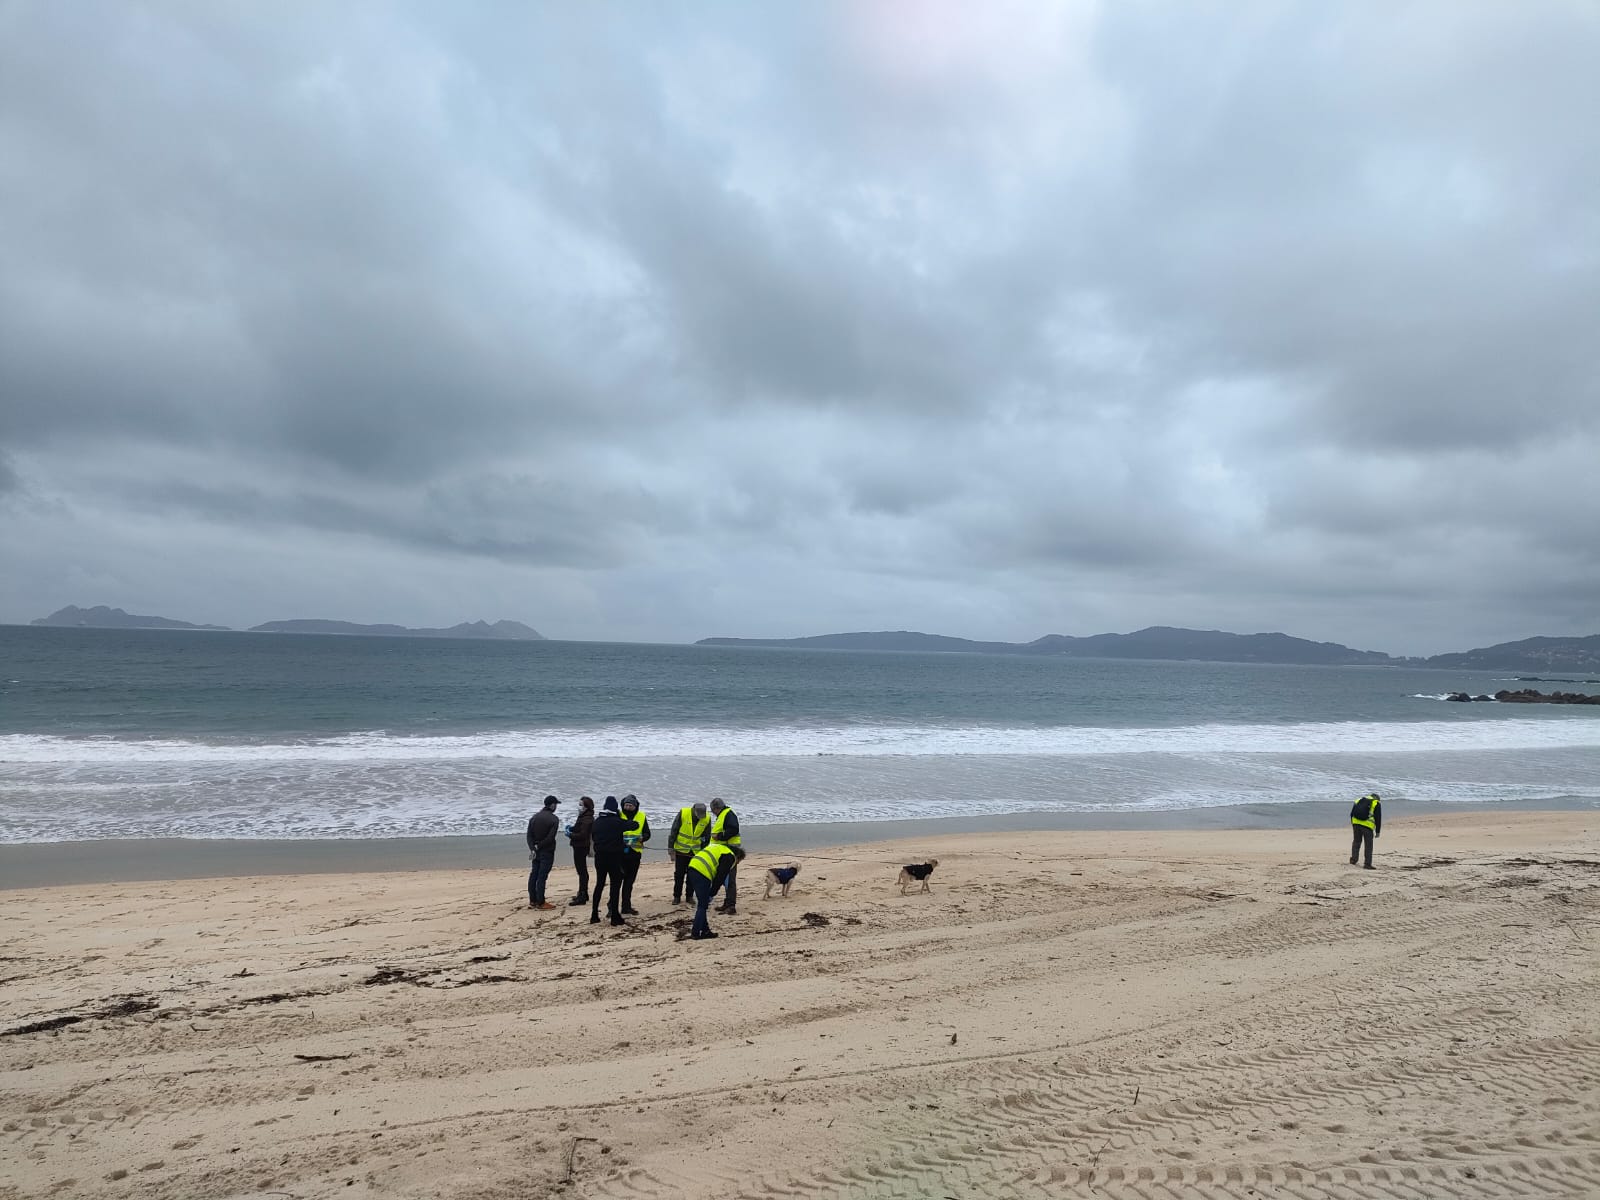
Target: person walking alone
column 542, row 828
column 635, row 833
column 578, row 836
column 726, row 822
column 708, row 870
column 1366, row 823
column 606, row 838
column 690, row 831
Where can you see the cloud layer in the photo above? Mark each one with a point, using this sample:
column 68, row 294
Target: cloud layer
column 656, row 323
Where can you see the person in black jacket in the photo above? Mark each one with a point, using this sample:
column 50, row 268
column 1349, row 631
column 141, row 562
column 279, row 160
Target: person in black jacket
column 578, row 837
column 725, row 821
column 542, row 827
column 635, row 833
column 1366, row 824
column 609, row 847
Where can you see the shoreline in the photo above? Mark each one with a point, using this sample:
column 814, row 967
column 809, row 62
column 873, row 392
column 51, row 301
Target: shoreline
column 1109, row 1015
column 64, row 864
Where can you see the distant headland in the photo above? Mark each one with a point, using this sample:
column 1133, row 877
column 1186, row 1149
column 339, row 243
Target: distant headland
column 1211, row 645
column 101, row 617
column 514, row 631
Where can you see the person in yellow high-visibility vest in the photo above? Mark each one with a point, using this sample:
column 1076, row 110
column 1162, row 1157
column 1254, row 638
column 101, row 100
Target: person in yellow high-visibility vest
column 725, row 821
column 691, row 830
column 635, row 833
column 708, row 870
column 1366, row 822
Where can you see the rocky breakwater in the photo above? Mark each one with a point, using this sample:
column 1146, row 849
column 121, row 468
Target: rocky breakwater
column 1528, row 696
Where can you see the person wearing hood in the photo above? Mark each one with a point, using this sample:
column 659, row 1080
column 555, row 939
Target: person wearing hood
column 578, row 838
column 542, row 827
column 606, row 837
column 635, row 833
column 724, row 820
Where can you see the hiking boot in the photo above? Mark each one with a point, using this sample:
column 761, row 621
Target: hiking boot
column 577, row 900
column 709, row 934
column 594, row 918
column 630, row 912
column 616, row 919
column 546, row 905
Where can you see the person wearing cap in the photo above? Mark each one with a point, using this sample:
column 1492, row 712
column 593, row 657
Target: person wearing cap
column 1366, row 823
column 691, row 830
column 725, row 821
column 708, row 870
column 606, row 838
column 542, row 828
column 578, row 839
column 635, row 833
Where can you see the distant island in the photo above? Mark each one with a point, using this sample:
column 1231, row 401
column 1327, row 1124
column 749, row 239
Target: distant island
column 1157, row 642
column 101, row 617
column 1209, row 645
column 514, row 631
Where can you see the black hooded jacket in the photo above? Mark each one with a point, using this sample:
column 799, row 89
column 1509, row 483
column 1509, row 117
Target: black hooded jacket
column 606, row 837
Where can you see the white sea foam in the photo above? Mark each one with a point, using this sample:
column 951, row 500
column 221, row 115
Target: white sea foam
column 794, row 741
column 382, row 785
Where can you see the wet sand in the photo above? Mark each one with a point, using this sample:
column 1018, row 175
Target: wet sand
column 1107, row 1013
column 52, row 863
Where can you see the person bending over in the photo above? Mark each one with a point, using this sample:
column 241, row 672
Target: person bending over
column 1366, row 823
column 708, row 871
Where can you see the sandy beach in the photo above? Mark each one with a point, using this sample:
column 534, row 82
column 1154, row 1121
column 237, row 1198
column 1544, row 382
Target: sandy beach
column 1091, row 1013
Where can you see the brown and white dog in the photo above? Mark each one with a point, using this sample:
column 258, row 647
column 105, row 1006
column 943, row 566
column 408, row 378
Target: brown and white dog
column 781, row 878
column 917, row 873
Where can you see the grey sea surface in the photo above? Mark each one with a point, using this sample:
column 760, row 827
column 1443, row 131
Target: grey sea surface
column 135, row 736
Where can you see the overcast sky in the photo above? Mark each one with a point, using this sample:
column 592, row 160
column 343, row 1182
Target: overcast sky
column 657, row 322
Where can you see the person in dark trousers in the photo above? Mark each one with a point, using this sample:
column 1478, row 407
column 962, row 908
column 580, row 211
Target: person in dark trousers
column 635, row 833
column 542, row 828
column 725, row 821
column 606, row 838
column 578, row 838
column 708, row 871
column 1366, row 823
column 691, row 830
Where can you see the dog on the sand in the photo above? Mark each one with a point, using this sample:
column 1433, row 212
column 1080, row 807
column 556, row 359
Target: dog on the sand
column 781, row 878
column 917, row 873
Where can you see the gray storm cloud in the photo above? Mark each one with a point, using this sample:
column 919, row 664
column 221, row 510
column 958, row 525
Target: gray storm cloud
column 657, row 323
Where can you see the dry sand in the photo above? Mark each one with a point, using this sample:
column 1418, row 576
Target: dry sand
column 1067, row 1014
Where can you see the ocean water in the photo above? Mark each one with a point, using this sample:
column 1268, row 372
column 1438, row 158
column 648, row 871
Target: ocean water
column 109, row 734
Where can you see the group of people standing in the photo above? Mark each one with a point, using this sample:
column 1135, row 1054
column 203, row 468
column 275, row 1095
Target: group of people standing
column 705, row 845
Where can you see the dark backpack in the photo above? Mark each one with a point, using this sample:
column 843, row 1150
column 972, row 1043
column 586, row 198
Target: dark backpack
column 1361, row 810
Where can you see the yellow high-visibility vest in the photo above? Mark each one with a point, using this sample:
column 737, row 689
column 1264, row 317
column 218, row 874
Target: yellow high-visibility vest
column 691, row 833
column 633, row 827
column 717, row 823
column 707, row 860
column 1372, row 812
